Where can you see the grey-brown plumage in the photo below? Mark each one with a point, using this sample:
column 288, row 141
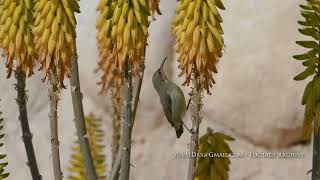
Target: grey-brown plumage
column 172, row 99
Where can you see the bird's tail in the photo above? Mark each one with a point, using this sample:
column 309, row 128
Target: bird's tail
column 179, row 130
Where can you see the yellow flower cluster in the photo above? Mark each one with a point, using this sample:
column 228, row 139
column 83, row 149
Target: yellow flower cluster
column 154, row 7
column 199, row 39
column 16, row 39
column 54, row 31
column 122, row 35
column 111, row 76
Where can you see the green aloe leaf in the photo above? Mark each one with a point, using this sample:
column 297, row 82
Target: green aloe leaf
column 308, row 23
column 313, row 16
column 310, row 62
column 314, row 4
column 5, row 175
column 307, row 91
column 3, row 165
column 306, row 73
column 306, row 7
column 308, row 44
column 212, row 168
column 308, row 55
column 309, row 107
column 311, row 94
column 317, row 88
column 313, row 32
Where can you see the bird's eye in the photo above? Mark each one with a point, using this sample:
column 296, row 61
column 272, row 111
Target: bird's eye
column 159, row 72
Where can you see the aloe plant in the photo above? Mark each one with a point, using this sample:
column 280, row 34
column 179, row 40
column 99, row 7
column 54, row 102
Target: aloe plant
column 310, row 27
column 199, row 41
column 122, row 39
column 217, row 165
column 54, row 31
column 16, row 41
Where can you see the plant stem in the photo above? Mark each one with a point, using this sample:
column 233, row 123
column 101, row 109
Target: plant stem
column 26, row 134
column 137, row 92
column 116, row 165
column 316, row 143
column 53, row 99
column 127, row 125
column 114, row 175
column 80, row 122
column 316, row 157
column 196, row 106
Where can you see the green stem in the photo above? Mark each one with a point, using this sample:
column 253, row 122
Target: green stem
column 80, row 122
column 114, row 175
column 137, row 92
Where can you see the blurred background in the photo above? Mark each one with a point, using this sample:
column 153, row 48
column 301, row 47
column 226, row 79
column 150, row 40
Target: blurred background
column 254, row 100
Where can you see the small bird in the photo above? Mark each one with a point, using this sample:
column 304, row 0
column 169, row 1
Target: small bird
column 172, row 99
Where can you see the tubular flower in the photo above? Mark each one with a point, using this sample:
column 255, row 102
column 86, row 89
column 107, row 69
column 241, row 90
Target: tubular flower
column 154, row 7
column 125, row 25
column 16, row 38
column 199, row 39
column 107, row 64
column 54, row 31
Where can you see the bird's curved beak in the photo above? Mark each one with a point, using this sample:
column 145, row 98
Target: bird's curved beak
column 162, row 70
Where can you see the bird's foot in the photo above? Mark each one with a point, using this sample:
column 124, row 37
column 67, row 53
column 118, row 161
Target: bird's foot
column 189, row 102
column 185, row 126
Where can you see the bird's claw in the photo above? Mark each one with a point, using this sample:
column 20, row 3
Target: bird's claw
column 189, row 102
column 185, row 126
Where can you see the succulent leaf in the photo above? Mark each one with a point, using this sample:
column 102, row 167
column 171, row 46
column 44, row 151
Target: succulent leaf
column 212, row 168
column 311, row 96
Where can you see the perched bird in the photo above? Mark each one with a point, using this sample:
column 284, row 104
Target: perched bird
column 172, row 99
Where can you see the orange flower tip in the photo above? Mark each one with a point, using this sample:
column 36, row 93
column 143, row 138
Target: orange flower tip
column 43, row 79
column 62, row 86
column 9, row 74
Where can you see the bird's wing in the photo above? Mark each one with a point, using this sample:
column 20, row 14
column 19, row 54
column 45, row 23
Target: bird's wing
column 167, row 104
column 179, row 103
